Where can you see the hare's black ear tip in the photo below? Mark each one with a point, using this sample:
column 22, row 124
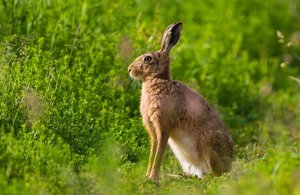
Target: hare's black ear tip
column 178, row 24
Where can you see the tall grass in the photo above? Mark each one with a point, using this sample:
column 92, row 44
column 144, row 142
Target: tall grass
column 69, row 120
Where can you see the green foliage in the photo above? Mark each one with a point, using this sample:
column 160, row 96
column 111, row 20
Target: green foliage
column 69, row 113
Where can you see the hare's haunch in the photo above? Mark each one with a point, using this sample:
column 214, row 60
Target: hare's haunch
column 174, row 113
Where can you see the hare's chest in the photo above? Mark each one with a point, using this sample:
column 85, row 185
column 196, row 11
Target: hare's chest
column 163, row 110
column 149, row 106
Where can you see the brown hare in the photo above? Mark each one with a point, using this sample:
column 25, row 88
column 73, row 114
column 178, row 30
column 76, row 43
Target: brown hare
column 174, row 113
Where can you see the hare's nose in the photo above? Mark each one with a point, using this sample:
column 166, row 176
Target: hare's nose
column 129, row 69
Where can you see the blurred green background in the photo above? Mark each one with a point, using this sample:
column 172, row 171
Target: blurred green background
column 69, row 113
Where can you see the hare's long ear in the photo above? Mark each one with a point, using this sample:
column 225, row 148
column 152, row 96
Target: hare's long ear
column 170, row 37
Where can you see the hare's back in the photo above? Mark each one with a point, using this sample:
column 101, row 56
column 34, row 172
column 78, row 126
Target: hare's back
column 197, row 109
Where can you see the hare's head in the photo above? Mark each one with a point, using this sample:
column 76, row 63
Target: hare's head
column 157, row 64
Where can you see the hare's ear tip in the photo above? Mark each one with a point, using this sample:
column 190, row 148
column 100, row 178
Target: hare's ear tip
column 178, row 23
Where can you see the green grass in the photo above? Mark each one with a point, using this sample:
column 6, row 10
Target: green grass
column 69, row 113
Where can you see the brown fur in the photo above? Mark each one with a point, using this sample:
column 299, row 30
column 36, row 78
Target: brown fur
column 170, row 110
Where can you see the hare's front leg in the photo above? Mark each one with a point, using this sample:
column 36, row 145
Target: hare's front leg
column 151, row 131
column 153, row 139
column 162, row 140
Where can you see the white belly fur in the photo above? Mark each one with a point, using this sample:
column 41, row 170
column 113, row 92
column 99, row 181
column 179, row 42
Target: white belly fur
column 184, row 148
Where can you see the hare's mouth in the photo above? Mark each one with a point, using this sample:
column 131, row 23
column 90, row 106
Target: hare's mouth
column 135, row 75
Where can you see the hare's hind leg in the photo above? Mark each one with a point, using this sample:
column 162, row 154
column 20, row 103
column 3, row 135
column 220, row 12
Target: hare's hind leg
column 195, row 170
column 187, row 160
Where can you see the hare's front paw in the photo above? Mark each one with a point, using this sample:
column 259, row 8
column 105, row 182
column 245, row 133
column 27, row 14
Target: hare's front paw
column 148, row 174
column 154, row 176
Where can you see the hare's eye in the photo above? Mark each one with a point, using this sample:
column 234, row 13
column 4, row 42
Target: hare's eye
column 147, row 58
